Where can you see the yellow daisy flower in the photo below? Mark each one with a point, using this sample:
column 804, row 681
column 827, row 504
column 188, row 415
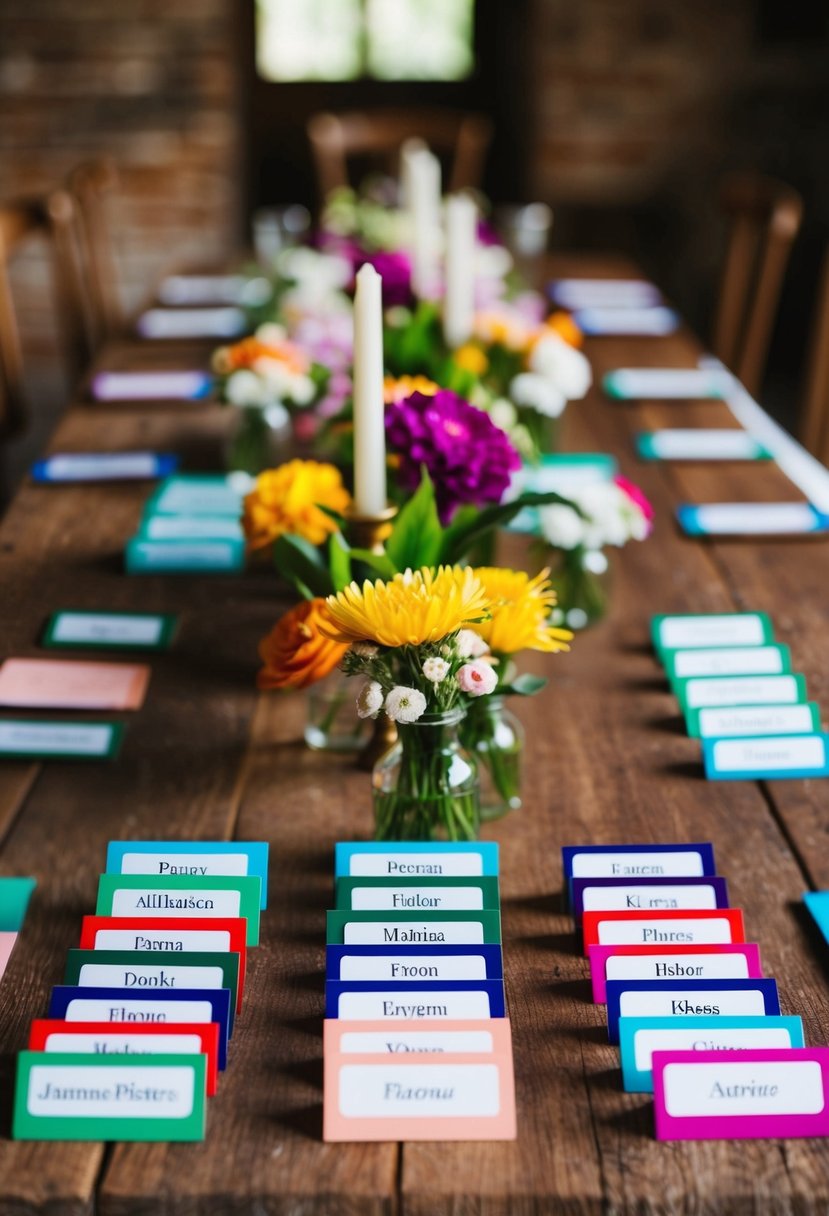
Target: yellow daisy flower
column 520, row 612
column 288, row 499
column 399, row 387
column 471, row 358
column 414, row 607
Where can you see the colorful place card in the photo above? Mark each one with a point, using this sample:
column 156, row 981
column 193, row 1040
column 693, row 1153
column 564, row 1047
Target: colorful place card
column 190, row 527
column 15, row 894
column 431, row 1000
column 151, row 386
column 770, row 660
column 70, row 684
column 707, row 630
column 7, row 944
column 73, row 1003
column 110, row 630
column 182, row 289
column 183, row 896
column 751, row 519
column 413, row 859
column 704, row 692
column 197, row 556
column 347, row 928
column 745, row 721
column 172, row 323
column 402, row 1038
column 699, row 444
column 647, row 894
column 772, row 756
column 639, row 1038
column 744, row 1095
column 104, row 466
column 665, row 384
column 69, row 1096
column 23, row 739
column 417, row 894
column 417, row 1097
column 648, row 322
column 710, row 962
column 634, row 861
column 196, row 858
column 112, row 1039
column 426, row 963
column 662, row 928
column 605, row 293
column 817, row 903
column 155, row 970
column 688, row 999
column 200, row 494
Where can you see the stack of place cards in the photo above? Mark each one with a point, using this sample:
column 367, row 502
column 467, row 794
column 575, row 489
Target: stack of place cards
column 15, row 894
column 682, row 987
column 739, row 695
column 417, row 1043
column 136, row 1035
column 191, row 524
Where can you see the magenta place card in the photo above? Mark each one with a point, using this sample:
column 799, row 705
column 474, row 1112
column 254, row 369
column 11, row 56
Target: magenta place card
column 741, row 1095
column 714, row 961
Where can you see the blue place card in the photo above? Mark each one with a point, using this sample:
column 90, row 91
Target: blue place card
column 200, row 494
column 67, row 467
column 766, row 757
column 199, row 858
column 72, row 1003
column 634, row 861
column 423, row 964
column 751, row 519
column 647, row 894
column 456, row 1000
column 413, row 859
column 203, row 556
column 688, row 999
column 639, row 1038
column 648, row 322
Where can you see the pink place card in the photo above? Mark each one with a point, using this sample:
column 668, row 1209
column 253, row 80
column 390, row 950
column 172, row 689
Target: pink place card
column 706, row 962
column 419, row 1096
column 67, row 684
column 487, row 1037
column 7, row 941
column 753, row 1094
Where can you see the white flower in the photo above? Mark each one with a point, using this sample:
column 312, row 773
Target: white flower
column 477, row 679
column 271, row 334
column 470, row 645
column 245, row 388
column 435, row 670
column 364, row 650
column 502, row 412
column 561, row 526
column 559, row 362
column 369, row 700
column 405, row 704
column 539, row 393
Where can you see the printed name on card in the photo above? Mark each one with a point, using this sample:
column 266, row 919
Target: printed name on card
column 148, row 971
column 412, row 859
column 190, row 858
column 688, row 999
column 683, row 928
column 38, row 740
column 417, row 894
column 712, row 962
column 645, row 894
column 420, row 1037
column 754, row 721
column 432, row 1001
column 773, row 756
column 183, row 896
column 347, row 928
column 401, row 963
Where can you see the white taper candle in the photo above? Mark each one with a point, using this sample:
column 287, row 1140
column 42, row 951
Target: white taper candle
column 422, row 177
column 369, row 426
column 459, row 297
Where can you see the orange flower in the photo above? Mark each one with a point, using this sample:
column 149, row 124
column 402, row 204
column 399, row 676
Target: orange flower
column 564, row 325
column 397, row 388
column 288, row 499
column 249, row 351
column 295, row 653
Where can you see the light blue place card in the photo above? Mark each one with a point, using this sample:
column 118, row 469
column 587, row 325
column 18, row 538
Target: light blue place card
column 769, row 757
column 699, row 444
column 172, row 323
column 200, row 494
column 205, row 556
column 688, row 998
column 603, row 293
column 182, row 290
column 648, row 322
column 151, row 386
column 195, row 857
column 67, row 467
column 413, row 859
column 640, row 1037
column 752, row 721
column 665, row 384
column 190, row 527
column 817, row 903
column 751, row 519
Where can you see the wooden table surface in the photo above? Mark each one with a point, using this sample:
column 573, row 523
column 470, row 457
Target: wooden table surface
column 607, row 761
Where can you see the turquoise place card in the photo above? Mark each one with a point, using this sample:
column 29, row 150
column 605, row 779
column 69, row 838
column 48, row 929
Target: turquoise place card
column 769, row 757
column 198, row 858
column 194, row 556
column 698, row 444
column 24, row 739
column 748, row 721
column 769, row 660
column 751, row 519
column 817, row 903
column 200, row 494
column 190, row 527
column 415, row 859
column 15, row 894
column 688, row 630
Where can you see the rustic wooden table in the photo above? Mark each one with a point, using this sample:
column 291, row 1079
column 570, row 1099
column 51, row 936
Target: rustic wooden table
column 607, row 761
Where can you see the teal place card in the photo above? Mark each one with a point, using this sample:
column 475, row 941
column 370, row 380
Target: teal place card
column 182, row 895
column 196, row 556
column 709, row 692
column 640, row 1037
column 415, row 859
column 200, row 494
column 769, row 757
column 817, row 903
column 698, row 444
column 15, row 894
column 24, row 739
column 69, row 1096
column 771, row 659
column 190, row 527
column 345, row 927
column 148, row 971
column 109, row 630
column 687, row 630
column 751, row 721
column 198, row 858
column 417, row 894
column 665, row 384
column 751, row 519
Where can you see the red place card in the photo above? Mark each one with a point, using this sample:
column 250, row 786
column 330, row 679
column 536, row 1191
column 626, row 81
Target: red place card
column 686, row 927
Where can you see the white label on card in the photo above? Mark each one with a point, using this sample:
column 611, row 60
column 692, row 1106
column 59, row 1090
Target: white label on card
column 141, row 902
column 423, row 967
column 179, row 289
column 679, row 1003
column 101, row 627
column 646, row 1042
column 113, row 1092
column 665, row 384
column 690, row 932
column 756, row 518
column 376, row 1091
column 84, row 1009
column 148, row 386
column 617, row 293
column 124, row 1043
column 191, row 323
column 174, row 940
column 740, row 629
column 722, row 690
column 371, row 1042
column 646, row 321
column 41, row 738
column 634, row 898
column 164, row 978
column 704, row 445
column 402, row 933
column 417, row 899
column 196, row 863
column 735, row 1087
column 114, row 465
column 416, row 865
column 743, row 660
column 432, row 1005
column 762, row 720
column 675, row 966
column 642, row 865
column 182, row 527
column 774, row 755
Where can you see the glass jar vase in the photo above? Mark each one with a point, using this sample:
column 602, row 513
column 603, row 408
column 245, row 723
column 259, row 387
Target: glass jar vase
column 426, row 786
column 496, row 738
column 333, row 724
column 581, row 580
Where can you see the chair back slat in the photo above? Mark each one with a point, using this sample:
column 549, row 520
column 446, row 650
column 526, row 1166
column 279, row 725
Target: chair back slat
column 91, row 184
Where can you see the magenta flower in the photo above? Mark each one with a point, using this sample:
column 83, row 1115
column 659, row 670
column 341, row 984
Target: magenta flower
column 468, row 457
column 637, row 498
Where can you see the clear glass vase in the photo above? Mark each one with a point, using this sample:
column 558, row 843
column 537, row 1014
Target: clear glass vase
column 426, row 787
column 260, row 439
column 581, row 580
column 496, row 738
column 333, row 724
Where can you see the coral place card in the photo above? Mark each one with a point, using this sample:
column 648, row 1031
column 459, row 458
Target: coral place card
column 402, row 1038
column 67, row 684
column 7, row 941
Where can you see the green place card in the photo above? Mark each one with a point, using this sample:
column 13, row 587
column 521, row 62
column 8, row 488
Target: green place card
column 182, row 895
column 109, row 630
column 25, row 739
column 149, row 971
column 348, row 928
column 708, row 692
column 70, row 1096
column 15, row 894
column 771, row 659
column 683, row 631
column 204, row 555
column 418, row 894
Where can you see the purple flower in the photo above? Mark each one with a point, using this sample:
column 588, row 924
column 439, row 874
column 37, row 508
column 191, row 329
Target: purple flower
column 395, row 270
column 467, row 456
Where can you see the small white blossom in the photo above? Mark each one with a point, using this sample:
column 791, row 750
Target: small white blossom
column 245, row 388
column 369, row 700
column 538, row 393
column 405, row 704
column 470, row 644
column 435, row 670
column 563, row 365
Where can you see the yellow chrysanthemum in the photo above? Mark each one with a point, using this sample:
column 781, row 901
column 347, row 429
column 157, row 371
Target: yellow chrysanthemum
column 471, row 358
column 520, row 612
column 288, row 499
column 397, row 388
column 418, row 606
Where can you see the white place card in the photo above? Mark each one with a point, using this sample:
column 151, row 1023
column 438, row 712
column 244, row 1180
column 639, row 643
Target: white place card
column 653, row 322
column 385, row 933
column 711, row 629
column 752, row 519
column 730, row 661
column 667, row 384
column 151, row 386
column 699, row 444
column 192, row 323
column 700, row 693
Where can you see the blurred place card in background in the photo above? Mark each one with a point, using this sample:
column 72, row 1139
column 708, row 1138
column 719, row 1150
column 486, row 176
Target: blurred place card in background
column 26, row 740
column 15, row 894
column 574, row 294
column 722, row 691
column 181, row 289
column 206, row 556
column 817, row 903
column 127, row 630
column 104, row 466
column 699, row 444
column 770, row 660
column 67, row 684
column 151, row 386
column 706, row 629
column 752, row 721
column 200, row 494
column 665, row 384
column 192, row 323
column 7, row 941
column 769, row 757
column 751, row 519
column 190, row 527
column 627, row 322
column 559, row 474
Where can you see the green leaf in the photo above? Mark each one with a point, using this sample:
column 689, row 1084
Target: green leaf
column 339, row 561
column 415, row 539
column 378, row 562
column 465, row 531
column 302, row 564
column 524, row 686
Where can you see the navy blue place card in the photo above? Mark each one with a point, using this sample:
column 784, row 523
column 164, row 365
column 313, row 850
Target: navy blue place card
column 421, row 964
column 67, row 467
column 75, row 1004
column 636, row 861
column 688, row 999
column 647, row 894
column 459, row 1000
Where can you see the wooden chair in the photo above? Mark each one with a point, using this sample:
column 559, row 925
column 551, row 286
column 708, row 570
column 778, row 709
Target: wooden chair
column 90, row 184
column 378, row 134
column 764, row 218
column 813, row 429
column 51, row 218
